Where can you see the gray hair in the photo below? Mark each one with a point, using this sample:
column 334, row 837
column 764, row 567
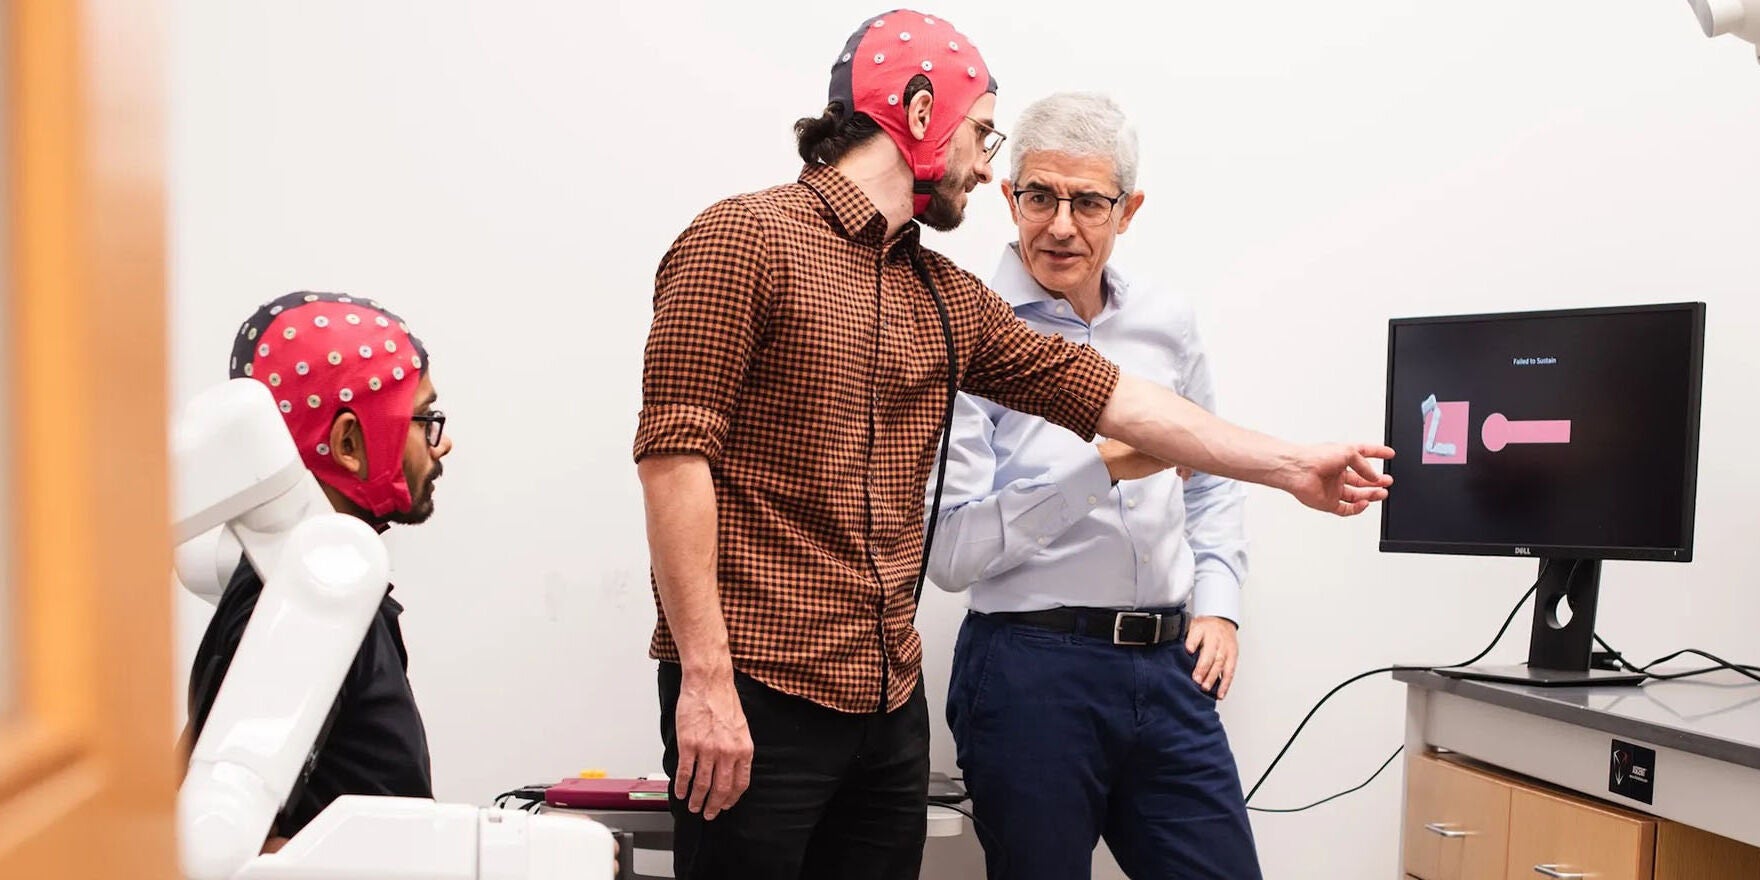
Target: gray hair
column 1079, row 124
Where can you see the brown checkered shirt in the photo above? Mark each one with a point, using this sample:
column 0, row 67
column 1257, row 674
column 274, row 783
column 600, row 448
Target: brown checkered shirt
column 799, row 352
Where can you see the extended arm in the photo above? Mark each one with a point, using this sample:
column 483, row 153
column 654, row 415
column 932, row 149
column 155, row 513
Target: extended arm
column 1336, row 478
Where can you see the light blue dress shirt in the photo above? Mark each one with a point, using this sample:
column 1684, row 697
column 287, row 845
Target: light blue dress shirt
column 1029, row 517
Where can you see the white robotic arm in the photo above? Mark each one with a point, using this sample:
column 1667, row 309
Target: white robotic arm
column 240, row 485
column 1739, row 17
column 237, row 472
column 206, row 562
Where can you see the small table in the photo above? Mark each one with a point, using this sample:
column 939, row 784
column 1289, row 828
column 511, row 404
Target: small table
column 651, row 831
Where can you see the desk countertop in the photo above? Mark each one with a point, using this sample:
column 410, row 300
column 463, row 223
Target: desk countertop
column 1715, row 715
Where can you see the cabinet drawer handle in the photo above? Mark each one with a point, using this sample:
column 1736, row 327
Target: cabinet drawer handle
column 1553, row 871
column 1444, row 830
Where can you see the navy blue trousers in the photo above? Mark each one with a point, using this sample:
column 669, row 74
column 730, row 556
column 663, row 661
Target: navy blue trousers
column 1065, row 739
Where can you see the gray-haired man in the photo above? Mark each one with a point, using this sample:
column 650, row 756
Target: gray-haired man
column 1104, row 585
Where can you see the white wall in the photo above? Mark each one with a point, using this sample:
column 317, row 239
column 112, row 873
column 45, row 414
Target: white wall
column 506, row 175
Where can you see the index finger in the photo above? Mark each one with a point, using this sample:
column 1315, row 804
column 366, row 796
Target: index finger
column 687, row 763
column 1202, row 669
column 1375, row 450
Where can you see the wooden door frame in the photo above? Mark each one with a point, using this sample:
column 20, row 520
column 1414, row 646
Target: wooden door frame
column 87, row 771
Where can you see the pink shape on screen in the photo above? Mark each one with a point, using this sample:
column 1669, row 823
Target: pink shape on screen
column 1499, row 431
column 1451, row 432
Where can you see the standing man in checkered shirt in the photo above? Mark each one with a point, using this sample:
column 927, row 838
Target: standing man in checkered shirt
column 804, row 354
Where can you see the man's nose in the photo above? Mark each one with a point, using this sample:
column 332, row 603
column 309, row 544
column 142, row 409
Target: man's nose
column 1063, row 223
column 441, row 450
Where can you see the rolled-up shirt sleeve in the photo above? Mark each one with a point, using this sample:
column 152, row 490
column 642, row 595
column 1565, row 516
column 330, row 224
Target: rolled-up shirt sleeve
column 1047, row 376
column 709, row 302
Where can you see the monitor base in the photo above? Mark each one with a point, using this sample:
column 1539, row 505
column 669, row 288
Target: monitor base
column 1541, row 677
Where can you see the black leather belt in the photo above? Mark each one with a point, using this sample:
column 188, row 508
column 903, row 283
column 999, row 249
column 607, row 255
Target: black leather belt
column 1138, row 628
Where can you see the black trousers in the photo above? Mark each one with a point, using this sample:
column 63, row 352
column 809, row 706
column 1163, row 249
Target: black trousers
column 833, row 795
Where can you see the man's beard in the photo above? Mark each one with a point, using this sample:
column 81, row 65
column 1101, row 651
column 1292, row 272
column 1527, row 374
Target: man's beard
column 421, row 503
column 944, row 212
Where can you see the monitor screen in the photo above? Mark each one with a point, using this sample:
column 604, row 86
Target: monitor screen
column 1563, row 434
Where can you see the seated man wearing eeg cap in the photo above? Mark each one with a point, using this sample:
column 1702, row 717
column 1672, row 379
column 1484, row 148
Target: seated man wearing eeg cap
column 354, row 387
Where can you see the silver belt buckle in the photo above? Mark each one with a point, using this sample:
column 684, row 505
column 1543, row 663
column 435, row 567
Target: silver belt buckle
column 1118, row 628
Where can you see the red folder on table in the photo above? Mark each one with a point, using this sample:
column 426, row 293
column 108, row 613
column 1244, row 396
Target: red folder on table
column 609, row 794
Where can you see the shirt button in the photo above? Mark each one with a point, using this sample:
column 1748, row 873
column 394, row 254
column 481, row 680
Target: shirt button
column 1144, row 558
column 1093, row 499
column 1044, row 541
column 1062, row 309
column 1131, row 503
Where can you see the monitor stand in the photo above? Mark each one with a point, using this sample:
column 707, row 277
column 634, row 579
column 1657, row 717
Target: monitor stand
column 1558, row 653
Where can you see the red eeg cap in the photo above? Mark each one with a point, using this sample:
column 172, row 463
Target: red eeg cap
column 879, row 61
column 322, row 353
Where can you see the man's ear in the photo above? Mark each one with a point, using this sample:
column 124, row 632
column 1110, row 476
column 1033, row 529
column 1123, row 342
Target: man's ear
column 348, row 446
column 1007, row 187
column 1130, row 210
column 919, row 112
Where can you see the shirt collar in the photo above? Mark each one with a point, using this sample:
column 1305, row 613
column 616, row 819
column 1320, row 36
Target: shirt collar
column 847, row 208
column 1018, row 288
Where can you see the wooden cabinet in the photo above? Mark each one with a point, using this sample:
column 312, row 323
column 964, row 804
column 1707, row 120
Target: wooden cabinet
column 1551, row 835
column 1687, row 853
column 1457, row 821
column 1467, row 821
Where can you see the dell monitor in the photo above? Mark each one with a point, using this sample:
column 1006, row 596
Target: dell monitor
column 1570, row 437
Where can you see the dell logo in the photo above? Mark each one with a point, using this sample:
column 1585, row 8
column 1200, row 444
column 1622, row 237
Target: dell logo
column 1524, row 551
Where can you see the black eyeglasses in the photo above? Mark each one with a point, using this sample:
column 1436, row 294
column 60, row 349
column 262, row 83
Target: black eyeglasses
column 435, row 423
column 1088, row 209
column 991, row 139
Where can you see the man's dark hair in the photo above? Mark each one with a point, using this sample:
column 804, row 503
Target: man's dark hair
column 830, row 136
